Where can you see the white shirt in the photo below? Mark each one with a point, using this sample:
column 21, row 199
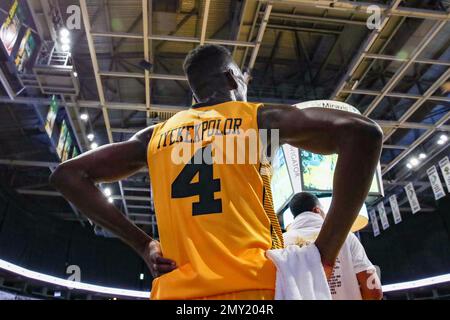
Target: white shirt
column 352, row 258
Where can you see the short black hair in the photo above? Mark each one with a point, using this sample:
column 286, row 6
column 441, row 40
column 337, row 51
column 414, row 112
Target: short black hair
column 206, row 59
column 302, row 202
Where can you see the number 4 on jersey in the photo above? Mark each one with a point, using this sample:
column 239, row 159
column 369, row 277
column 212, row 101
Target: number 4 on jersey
column 183, row 187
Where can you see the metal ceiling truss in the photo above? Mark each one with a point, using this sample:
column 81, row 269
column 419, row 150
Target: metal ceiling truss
column 390, row 11
column 393, row 16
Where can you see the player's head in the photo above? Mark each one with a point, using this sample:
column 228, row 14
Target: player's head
column 305, row 202
column 212, row 73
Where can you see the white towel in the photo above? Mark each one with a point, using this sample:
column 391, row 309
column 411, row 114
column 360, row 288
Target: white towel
column 300, row 275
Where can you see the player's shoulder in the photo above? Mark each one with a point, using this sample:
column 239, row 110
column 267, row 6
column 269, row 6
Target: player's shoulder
column 144, row 136
column 269, row 115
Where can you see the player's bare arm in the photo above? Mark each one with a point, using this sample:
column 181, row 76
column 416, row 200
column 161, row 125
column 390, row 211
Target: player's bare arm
column 76, row 179
column 356, row 139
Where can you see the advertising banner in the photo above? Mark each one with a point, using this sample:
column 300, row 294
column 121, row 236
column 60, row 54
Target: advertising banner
column 67, row 148
column 412, row 198
column 373, row 219
column 51, row 116
column 395, row 209
column 445, row 169
column 435, row 182
column 75, row 153
column 62, row 139
column 26, row 50
column 9, row 32
column 383, row 216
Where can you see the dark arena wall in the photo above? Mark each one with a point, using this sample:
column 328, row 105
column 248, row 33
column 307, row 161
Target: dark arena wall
column 34, row 241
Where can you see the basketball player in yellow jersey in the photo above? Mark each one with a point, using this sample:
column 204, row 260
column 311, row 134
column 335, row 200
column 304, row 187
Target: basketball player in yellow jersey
column 215, row 220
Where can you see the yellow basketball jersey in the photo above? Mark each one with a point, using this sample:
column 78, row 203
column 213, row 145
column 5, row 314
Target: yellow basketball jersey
column 215, row 218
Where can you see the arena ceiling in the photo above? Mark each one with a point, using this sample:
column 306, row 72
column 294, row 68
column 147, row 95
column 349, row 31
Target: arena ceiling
column 297, row 51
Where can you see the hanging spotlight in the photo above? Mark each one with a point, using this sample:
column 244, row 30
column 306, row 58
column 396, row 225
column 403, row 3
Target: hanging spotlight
column 90, row 137
column 64, row 33
column 422, row 156
column 84, row 116
column 409, row 166
column 107, row 192
column 110, row 200
column 94, row 145
column 65, row 40
column 414, row 162
column 65, row 47
column 442, row 139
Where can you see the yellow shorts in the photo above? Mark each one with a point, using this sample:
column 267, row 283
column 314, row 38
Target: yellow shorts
column 244, row 295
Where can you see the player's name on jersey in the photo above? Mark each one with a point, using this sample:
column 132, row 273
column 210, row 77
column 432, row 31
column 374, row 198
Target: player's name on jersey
column 197, row 132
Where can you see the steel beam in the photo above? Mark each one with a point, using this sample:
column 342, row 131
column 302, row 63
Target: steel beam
column 400, row 95
column 402, row 70
column 322, row 20
column 95, row 104
column 137, row 189
column 411, row 110
column 204, row 22
column 27, row 163
column 126, row 130
column 133, row 198
column 416, row 143
column 233, row 43
column 390, row 146
column 250, row 34
column 395, row 58
column 359, row 56
column 410, row 125
column 361, row 7
column 136, row 206
column 98, row 80
column 241, row 22
column 142, row 75
column 51, row 193
column 260, row 35
column 145, row 27
column 304, row 29
column 48, row 193
column 405, row 174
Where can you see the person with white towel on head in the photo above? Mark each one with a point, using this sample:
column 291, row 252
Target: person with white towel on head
column 354, row 277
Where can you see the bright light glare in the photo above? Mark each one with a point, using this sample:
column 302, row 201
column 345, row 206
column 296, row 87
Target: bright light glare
column 5, row 265
column 414, row 162
column 65, row 47
column 107, row 192
column 71, row 284
column 64, row 33
column 65, row 40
